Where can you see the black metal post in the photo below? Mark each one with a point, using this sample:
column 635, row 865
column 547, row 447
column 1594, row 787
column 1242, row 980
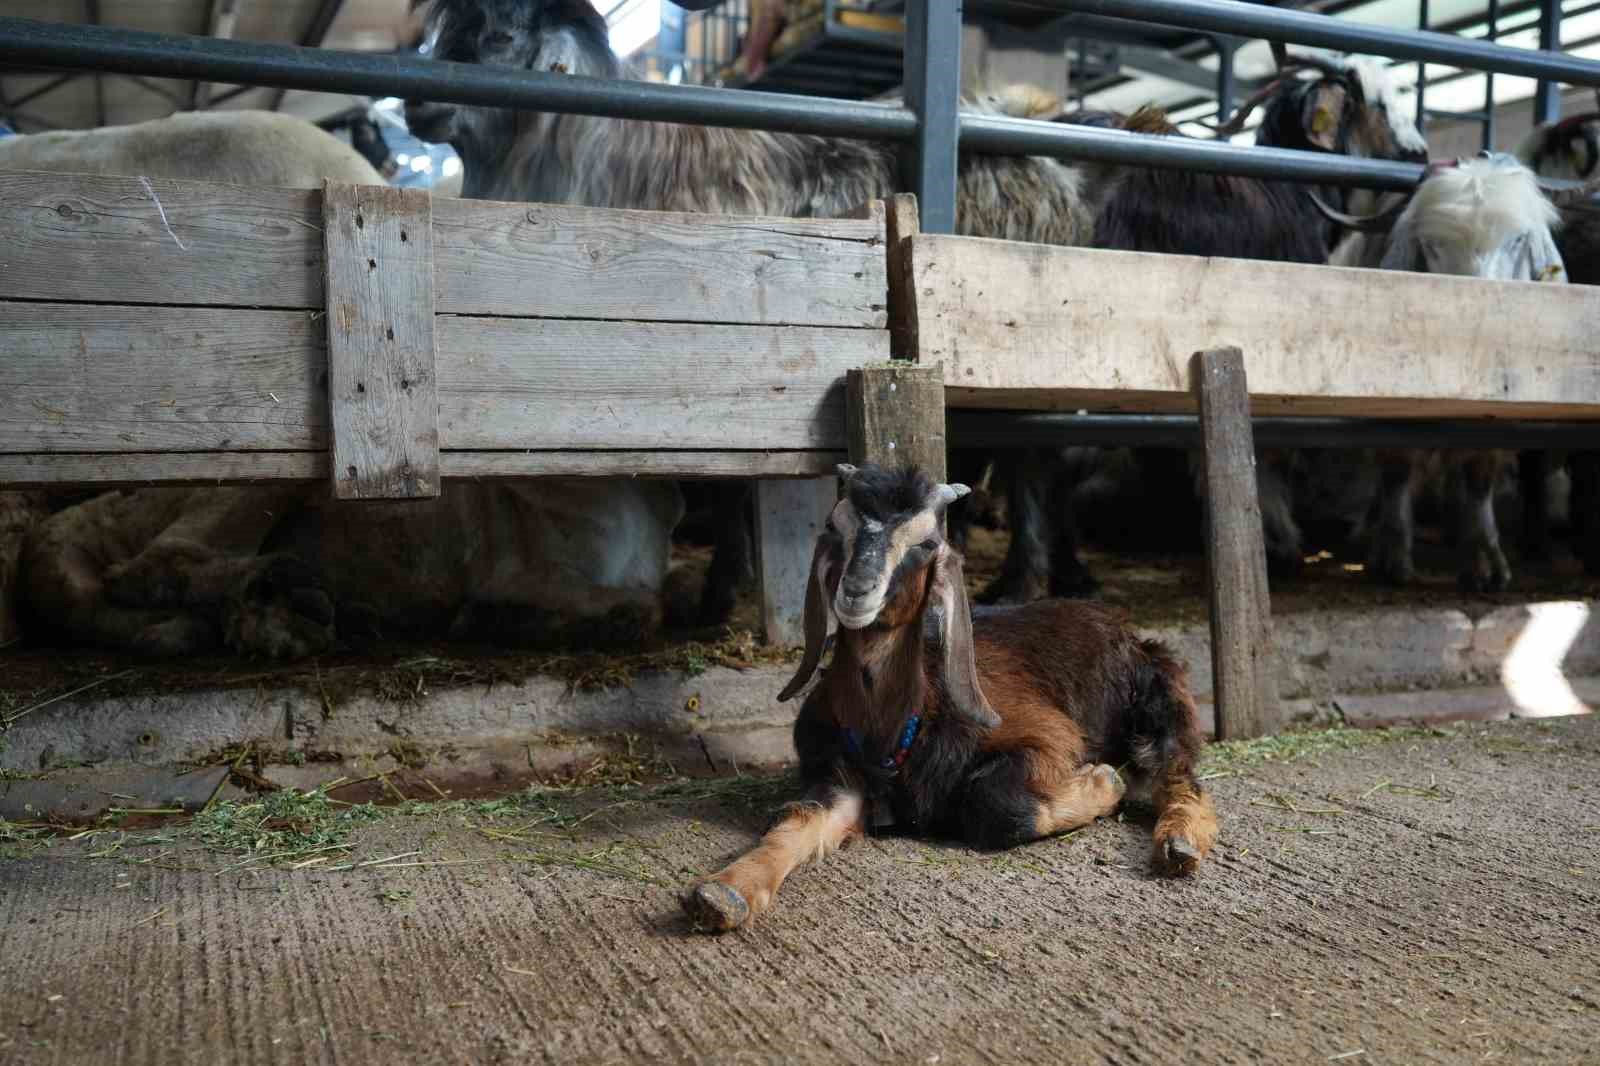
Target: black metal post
column 1226, row 48
column 933, row 92
column 1010, row 429
column 1422, row 72
column 1491, row 32
column 1547, row 96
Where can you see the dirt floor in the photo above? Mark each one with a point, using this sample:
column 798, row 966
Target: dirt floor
column 1415, row 897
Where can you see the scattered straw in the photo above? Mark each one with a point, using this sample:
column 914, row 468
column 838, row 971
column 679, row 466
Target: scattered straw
column 10, row 718
column 1280, row 802
column 148, row 920
column 1347, row 1054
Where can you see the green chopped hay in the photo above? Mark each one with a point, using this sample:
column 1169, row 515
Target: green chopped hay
column 1227, row 758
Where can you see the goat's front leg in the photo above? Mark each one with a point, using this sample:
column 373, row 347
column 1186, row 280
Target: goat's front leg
column 1483, row 564
column 819, row 824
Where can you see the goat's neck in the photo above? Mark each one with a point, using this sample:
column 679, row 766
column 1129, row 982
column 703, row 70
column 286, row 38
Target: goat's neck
column 878, row 679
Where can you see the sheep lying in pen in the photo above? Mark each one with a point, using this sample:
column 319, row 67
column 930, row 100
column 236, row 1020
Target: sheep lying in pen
column 996, row 729
column 263, row 570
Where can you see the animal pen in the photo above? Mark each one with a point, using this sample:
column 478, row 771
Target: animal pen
column 380, row 340
column 1410, row 895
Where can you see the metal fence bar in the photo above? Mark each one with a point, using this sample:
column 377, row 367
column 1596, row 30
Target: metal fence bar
column 1299, row 27
column 1013, row 429
column 1547, row 95
column 120, row 51
column 1011, row 136
column 933, row 91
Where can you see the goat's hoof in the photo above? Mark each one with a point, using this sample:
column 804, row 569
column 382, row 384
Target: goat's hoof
column 1177, row 857
column 1107, row 778
column 714, row 907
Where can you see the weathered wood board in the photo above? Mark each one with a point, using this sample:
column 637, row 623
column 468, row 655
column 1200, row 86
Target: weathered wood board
column 1041, row 327
column 382, row 385
column 789, row 517
column 895, row 416
column 243, row 468
column 84, row 378
column 101, row 239
column 1236, row 557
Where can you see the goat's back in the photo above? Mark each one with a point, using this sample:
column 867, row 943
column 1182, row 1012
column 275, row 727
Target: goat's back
column 1074, row 658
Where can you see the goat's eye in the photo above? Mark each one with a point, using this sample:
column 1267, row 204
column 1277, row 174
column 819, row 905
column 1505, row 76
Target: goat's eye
column 929, row 545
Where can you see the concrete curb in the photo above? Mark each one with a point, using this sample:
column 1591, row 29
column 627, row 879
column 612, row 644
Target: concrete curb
column 1367, row 668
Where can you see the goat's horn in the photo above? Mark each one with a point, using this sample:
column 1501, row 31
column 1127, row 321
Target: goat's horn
column 1236, row 123
column 1570, row 195
column 1381, row 222
column 845, row 470
column 1280, row 53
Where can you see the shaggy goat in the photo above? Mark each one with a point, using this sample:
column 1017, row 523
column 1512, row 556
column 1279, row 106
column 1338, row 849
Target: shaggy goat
column 997, row 730
column 1485, row 218
column 627, row 163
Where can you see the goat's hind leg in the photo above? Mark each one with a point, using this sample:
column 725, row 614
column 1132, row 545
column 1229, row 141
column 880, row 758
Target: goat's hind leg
column 1166, row 746
column 811, row 829
column 1014, row 797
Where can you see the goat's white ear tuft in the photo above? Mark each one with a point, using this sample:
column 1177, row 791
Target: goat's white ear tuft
column 949, row 494
column 846, row 471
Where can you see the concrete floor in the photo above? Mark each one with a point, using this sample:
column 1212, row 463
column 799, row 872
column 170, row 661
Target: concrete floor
column 1448, row 912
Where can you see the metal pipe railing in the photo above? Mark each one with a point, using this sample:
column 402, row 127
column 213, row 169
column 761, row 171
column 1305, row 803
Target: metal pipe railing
column 1321, row 31
column 1027, row 429
column 122, row 51
column 119, row 51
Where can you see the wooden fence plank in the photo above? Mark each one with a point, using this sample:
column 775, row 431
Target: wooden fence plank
column 904, row 222
column 83, row 378
column 895, row 416
column 198, row 243
column 149, row 240
column 1245, row 692
column 554, row 261
column 1032, row 326
column 103, row 470
column 382, row 385
column 789, row 516
column 565, row 384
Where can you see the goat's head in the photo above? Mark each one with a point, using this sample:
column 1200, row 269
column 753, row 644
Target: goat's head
column 1347, row 106
column 882, row 563
column 1483, row 217
column 564, row 36
column 1567, row 149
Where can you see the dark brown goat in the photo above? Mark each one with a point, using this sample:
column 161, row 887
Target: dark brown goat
column 996, row 730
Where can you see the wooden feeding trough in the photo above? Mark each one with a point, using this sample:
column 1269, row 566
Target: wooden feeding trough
column 179, row 332
column 1024, row 326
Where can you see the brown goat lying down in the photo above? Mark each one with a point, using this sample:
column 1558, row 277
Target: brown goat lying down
column 996, row 730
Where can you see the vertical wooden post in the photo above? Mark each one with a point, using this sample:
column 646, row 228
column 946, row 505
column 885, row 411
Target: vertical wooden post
column 1244, row 689
column 895, row 416
column 904, row 223
column 381, row 385
column 789, row 516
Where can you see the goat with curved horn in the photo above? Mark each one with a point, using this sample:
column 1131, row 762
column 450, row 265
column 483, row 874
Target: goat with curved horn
column 1382, row 222
column 995, row 730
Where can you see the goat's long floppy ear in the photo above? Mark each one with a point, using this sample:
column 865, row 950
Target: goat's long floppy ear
column 816, row 619
column 953, row 626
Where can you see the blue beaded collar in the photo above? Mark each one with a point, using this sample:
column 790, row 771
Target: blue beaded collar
column 908, row 737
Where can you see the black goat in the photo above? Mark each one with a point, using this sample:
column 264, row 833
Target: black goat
column 997, row 729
